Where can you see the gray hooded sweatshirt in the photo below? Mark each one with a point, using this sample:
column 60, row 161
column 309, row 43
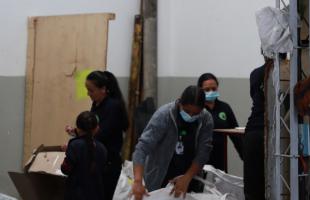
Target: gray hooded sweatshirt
column 156, row 146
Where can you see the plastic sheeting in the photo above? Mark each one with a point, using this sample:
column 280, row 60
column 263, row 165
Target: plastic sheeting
column 273, row 29
column 164, row 194
column 6, row 197
column 218, row 186
column 123, row 188
column 225, row 183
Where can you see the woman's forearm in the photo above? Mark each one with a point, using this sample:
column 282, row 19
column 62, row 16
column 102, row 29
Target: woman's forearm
column 138, row 172
column 193, row 170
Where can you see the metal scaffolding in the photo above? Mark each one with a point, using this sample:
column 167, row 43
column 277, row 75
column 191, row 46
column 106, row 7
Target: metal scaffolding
column 282, row 158
column 293, row 13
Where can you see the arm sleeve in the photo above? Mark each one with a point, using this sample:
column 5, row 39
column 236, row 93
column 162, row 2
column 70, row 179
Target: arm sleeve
column 251, row 84
column 70, row 160
column 236, row 139
column 204, row 141
column 150, row 137
column 110, row 124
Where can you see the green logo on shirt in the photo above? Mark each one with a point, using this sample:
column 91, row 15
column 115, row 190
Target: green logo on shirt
column 223, row 116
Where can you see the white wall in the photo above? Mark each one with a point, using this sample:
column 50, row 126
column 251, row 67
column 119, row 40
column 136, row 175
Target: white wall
column 13, row 34
column 197, row 36
column 194, row 36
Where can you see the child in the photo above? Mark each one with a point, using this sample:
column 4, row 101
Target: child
column 84, row 162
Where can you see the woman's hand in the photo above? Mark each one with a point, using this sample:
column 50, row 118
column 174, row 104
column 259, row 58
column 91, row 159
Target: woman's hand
column 180, row 185
column 70, row 130
column 64, row 147
column 138, row 190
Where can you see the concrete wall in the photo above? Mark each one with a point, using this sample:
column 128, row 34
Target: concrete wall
column 232, row 90
column 193, row 37
column 218, row 36
column 11, row 129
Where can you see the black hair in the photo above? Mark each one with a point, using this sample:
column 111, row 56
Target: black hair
column 193, row 95
column 107, row 79
column 87, row 122
column 99, row 79
column 205, row 77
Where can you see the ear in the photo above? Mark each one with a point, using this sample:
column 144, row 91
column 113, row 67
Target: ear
column 96, row 130
column 103, row 89
column 180, row 106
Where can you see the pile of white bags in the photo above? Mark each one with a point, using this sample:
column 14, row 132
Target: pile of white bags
column 218, row 186
column 164, row 194
column 224, row 183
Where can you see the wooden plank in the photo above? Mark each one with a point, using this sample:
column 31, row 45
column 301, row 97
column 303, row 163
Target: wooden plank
column 135, row 87
column 64, row 45
column 29, row 88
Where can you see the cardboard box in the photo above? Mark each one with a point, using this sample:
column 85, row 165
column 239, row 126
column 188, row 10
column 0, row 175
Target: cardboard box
column 42, row 178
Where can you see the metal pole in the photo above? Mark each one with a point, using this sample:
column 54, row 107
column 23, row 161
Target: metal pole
column 277, row 3
column 293, row 114
column 276, row 77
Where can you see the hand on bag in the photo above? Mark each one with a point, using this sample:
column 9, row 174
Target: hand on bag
column 138, row 190
column 180, row 185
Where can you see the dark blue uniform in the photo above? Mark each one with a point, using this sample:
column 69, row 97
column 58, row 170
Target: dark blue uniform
column 223, row 118
column 111, row 122
column 85, row 176
column 254, row 181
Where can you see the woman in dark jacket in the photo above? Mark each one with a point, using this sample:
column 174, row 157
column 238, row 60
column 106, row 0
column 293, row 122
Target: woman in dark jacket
column 223, row 118
column 108, row 104
column 84, row 161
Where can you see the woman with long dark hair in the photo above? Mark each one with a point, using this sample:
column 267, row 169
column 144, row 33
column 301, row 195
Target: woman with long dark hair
column 109, row 105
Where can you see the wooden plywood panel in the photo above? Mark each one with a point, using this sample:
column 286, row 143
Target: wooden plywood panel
column 58, row 48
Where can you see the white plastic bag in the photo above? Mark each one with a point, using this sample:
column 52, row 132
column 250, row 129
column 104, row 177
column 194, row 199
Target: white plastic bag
column 218, row 186
column 164, row 194
column 124, row 183
column 224, row 183
column 6, row 197
column 273, row 29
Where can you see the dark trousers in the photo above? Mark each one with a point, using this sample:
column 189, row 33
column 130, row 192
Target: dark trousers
column 111, row 176
column 217, row 156
column 254, row 177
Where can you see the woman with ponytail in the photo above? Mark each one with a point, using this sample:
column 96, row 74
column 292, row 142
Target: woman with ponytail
column 223, row 118
column 84, row 161
column 109, row 105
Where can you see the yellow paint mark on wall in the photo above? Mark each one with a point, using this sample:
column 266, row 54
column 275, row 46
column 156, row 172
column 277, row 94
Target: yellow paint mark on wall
column 80, row 78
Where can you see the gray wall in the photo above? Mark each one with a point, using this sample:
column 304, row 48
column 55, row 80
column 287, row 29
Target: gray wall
column 11, row 129
column 234, row 91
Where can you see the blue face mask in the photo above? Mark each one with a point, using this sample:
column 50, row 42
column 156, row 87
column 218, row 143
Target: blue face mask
column 212, row 95
column 186, row 117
